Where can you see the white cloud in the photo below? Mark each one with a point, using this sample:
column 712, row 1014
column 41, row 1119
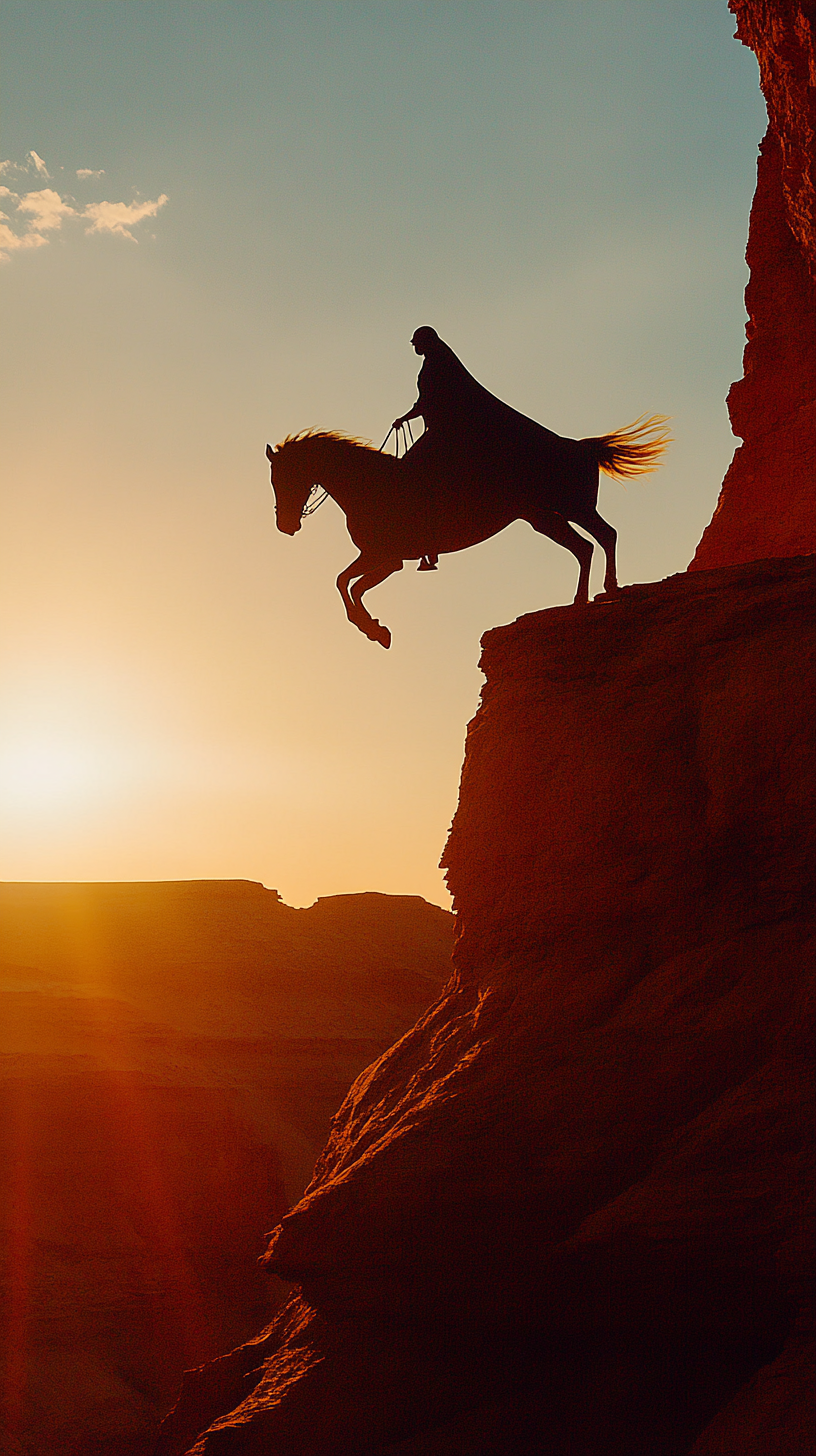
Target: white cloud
column 120, row 217
column 47, row 208
column 11, row 242
column 44, row 211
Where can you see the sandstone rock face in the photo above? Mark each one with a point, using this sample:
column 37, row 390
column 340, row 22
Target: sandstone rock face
column 768, row 499
column 568, row 1211
column 170, row 1058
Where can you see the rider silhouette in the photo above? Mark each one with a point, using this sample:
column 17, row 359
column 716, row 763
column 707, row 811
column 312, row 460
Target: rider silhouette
column 459, row 413
column 443, row 396
column 446, row 392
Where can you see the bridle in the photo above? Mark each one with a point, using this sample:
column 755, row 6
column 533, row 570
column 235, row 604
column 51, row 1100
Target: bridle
column 318, row 496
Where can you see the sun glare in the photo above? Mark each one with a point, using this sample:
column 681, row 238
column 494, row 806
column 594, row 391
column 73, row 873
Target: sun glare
column 49, row 773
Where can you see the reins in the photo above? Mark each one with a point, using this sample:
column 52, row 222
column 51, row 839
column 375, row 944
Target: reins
column 318, row 496
column 396, row 431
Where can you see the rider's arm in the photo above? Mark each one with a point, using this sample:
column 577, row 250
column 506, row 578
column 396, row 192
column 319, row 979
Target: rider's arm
column 415, row 413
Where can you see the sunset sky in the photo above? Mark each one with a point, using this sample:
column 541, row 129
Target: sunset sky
column 223, row 220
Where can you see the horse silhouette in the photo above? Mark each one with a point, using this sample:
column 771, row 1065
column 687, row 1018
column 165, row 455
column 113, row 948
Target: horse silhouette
column 400, row 510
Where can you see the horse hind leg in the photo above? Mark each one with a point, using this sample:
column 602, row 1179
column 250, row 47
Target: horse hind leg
column 558, row 528
column 607, row 538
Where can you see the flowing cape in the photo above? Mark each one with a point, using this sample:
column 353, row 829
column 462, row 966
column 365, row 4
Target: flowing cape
column 458, row 410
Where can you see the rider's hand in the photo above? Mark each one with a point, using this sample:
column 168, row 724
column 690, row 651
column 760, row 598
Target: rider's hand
column 398, row 424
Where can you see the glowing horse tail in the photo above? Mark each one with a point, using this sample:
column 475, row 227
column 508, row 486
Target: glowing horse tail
column 634, row 450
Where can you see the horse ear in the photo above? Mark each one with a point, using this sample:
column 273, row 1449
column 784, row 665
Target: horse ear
column 269, row 452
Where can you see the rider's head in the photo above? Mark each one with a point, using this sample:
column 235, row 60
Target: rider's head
column 424, row 339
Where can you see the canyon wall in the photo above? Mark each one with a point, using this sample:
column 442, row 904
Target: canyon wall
column 170, row 1059
column 766, row 507
column 568, row 1211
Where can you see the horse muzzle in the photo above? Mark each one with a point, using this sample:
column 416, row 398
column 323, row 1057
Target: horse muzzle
column 289, row 528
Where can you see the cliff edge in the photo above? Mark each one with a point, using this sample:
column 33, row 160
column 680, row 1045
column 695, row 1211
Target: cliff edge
column 766, row 506
column 565, row 1213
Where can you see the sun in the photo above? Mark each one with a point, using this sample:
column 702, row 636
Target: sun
column 50, row 772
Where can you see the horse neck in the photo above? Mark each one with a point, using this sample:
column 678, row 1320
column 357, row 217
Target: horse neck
column 347, row 471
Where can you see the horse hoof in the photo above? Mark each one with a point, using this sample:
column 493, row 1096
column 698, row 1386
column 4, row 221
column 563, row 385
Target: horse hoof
column 375, row 632
column 379, row 633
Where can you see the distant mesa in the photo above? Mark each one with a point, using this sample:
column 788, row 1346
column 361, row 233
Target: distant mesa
column 171, row 1056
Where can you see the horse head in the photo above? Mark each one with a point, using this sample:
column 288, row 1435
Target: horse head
column 289, row 470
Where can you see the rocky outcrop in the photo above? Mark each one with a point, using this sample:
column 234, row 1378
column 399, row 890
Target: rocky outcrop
column 568, row 1211
column 170, row 1059
column 767, row 505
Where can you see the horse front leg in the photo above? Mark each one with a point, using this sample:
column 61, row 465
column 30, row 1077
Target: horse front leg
column 372, row 628
column 369, row 574
column 343, row 582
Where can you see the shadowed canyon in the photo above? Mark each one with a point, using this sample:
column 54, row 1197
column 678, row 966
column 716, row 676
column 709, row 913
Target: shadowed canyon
column 566, row 1207
column 170, row 1059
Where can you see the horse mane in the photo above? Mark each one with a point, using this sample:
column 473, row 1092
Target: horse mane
column 335, row 437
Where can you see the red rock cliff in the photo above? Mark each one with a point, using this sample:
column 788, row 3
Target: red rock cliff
column 766, row 507
column 567, row 1212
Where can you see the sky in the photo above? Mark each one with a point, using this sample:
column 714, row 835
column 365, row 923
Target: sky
column 222, row 222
